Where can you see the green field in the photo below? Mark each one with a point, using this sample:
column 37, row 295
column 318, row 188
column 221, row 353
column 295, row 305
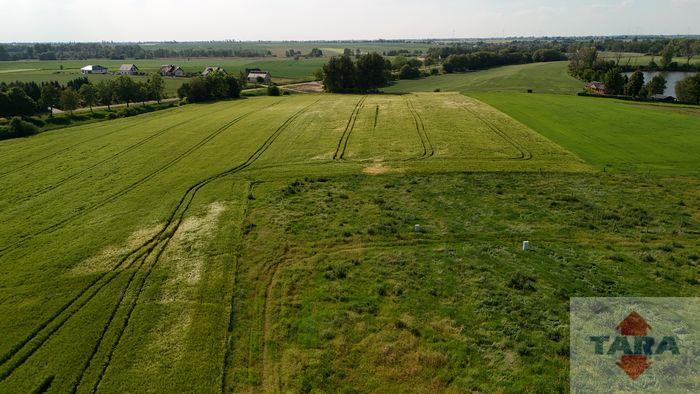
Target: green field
column 541, row 77
column 282, row 70
column 639, row 59
column 268, row 244
column 617, row 135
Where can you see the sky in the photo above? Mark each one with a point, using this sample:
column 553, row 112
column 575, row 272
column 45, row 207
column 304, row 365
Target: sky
column 186, row 20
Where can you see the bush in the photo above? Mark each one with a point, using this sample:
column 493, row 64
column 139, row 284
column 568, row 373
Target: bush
column 273, row 90
column 409, row 72
column 688, row 90
column 112, row 115
column 434, row 71
column 18, row 128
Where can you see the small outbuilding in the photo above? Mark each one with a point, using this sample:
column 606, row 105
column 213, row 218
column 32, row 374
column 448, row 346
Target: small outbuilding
column 128, row 69
column 259, row 76
column 93, row 69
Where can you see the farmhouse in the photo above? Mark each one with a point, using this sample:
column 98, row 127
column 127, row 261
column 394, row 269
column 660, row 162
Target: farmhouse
column 210, row 70
column 253, row 76
column 596, row 87
column 169, row 70
column 128, row 69
column 96, row 69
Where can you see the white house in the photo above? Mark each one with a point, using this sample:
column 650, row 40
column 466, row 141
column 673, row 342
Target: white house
column 254, row 75
column 96, row 69
column 128, row 69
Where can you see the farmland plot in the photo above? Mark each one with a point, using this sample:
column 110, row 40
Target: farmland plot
column 179, row 251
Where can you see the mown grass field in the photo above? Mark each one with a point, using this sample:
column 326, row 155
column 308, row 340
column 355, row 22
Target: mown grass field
column 283, row 70
column 541, row 77
column 612, row 134
column 268, row 244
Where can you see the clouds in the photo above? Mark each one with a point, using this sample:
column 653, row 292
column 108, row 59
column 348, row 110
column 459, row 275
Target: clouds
column 131, row 20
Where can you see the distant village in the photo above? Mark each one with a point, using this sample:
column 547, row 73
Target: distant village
column 253, row 75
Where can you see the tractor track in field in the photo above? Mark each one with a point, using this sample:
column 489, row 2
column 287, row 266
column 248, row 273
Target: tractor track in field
column 23, row 238
column 162, row 239
column 525, row 154
column 185, row 204
column 96, row 347
column 343, row 141
column 376, row 117
column 50, row 155
column 232, row 304
column 105, row 160
column 428, row 150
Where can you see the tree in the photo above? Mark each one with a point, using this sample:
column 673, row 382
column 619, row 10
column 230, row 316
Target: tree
column 156, row 87
column 689, row 49
column 20, row 103
column 635, row 84
column 688, row 89
column 106, row 92
column 667, row 55
column 198, row 90
column 657, row 85
column 614, row 81
column 4, row 104
column 216, row 85
column 273, row 90
column 88, row 92
column 339, row 74
column 142, row 92
column 234, row 89
column 50, row 96
column 125, row 89
column 373, row 71
column 69, row 100
column 408, row 72
column 183, row 91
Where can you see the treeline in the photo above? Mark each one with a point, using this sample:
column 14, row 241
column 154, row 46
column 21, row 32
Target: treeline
column 679, row 47
column 79, row 51
column 525, row 48
column 483, row 60
column 25, row 99
column 368, row 73
column 215, row 86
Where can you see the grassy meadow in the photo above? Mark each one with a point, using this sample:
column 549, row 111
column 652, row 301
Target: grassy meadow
column 550, row 77
column 611, row 134
column 268, row 244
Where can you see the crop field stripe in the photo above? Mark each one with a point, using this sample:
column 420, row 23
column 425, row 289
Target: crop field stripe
column 525, row 154
column 129, row 188
column 50, row 155
column 232, row 304
column 40, row 342
column 108, row 323
column 123, row 151
column 336, row 155
column 352, row 127
column 189, row 196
